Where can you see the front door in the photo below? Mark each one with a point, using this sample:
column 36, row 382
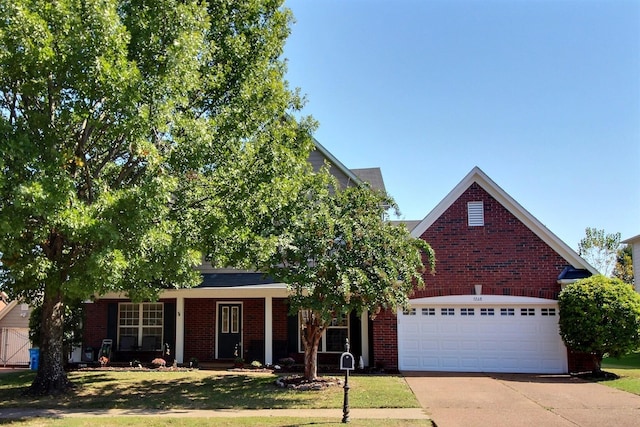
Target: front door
column 229, row 331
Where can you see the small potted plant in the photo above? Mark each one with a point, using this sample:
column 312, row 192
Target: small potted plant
column 103, row 361
column 158, row 362
column 193, row 363
column 238, row 361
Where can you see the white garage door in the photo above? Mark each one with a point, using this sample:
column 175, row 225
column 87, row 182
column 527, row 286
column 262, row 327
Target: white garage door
column 485, row 333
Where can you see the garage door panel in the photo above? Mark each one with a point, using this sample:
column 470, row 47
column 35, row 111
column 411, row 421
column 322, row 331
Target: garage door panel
column 446, row 327
column 480, row 343
column 429, row 328
column 448, row 345
column 429, row 345
column 468, row 346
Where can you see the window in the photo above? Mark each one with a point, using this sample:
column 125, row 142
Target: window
column 487, row 312
column 447, row 312
column 230, row 319
column 140, row 326
column 334, row 336
column 507, row 312
column 467, row 311
column 475, row 214
column 548, row 311
column 409, row 312
column 429, row 311
column 527, row 312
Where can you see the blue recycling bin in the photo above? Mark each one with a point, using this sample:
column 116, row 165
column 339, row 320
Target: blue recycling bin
column 34, row 357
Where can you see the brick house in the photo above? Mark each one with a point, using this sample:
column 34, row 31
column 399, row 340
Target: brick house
column 231, row 314
column 491, row 305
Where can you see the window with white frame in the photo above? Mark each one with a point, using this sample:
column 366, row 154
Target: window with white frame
column 140, row 326
column 334, row 336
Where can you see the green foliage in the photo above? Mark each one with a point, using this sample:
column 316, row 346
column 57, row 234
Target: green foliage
column 137, row 137
column 339, row 254
column 600, row 249
column 600, row 315
column 624, row 265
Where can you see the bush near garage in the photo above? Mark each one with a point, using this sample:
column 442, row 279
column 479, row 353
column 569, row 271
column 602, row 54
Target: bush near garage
column 600, row 315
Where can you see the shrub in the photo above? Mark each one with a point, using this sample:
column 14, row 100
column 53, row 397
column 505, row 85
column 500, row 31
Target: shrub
column 159, row 362
column 600, row 315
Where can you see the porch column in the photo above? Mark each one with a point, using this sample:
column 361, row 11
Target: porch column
column 268, row 331
column 180, row 329
column 364, row 333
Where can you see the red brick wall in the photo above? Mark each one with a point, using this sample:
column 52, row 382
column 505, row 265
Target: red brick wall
column 385, row 341
column 199, row 328
column 280, row 311
column 95, row 323
column 504, row 256
column 200, row 325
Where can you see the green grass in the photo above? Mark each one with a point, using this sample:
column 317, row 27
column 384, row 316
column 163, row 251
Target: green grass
column 104, row 389
column 628, row 370
column 202, row 422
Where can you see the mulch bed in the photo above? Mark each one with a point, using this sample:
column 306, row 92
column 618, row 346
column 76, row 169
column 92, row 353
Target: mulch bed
column 297, row 382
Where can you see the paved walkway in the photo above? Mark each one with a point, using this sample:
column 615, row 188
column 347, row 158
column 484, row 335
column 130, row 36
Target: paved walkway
column 511, row 400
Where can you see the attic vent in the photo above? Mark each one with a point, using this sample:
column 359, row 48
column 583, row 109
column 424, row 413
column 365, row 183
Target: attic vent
column 475, row 214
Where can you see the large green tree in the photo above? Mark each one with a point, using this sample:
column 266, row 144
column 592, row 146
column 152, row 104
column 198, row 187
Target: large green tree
column 135, row 137
column 600, row 315
column 600, row 249
column 338, row 254
column 624, row 264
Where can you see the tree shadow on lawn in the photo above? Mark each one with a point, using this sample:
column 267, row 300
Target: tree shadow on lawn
column 101, row 391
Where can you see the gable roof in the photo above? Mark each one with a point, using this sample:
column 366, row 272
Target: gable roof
column 337, row 163
column 371, row 176
column 479, row 177
column 632, row 240
column 7, row 309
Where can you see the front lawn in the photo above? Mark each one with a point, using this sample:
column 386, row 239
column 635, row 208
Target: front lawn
column 627, row 368
column 103, row 389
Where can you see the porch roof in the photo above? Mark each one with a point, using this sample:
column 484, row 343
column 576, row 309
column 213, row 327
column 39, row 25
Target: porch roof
column 227, row 280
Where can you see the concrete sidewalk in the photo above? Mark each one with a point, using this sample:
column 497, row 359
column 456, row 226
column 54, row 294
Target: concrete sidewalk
column 356, row 413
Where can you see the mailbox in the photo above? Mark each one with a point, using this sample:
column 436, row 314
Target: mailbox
column 347, row 362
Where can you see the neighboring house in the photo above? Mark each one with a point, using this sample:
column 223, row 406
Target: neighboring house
column 491, row 304
column 14, row 334
column 635, row 254
column 231, row 314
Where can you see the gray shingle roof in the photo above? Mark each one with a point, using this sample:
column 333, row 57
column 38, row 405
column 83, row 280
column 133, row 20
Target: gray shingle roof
column 372, row 176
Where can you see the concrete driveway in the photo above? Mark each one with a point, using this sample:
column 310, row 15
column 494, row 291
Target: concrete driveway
column 521, row 400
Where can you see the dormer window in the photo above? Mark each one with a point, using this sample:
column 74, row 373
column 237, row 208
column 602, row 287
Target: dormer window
column 475, row 214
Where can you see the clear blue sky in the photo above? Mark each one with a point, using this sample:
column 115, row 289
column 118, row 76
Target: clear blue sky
column 543, row 96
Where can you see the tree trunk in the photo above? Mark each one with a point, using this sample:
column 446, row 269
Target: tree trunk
column 51, row 377
column 311, row 336
column 597, row 364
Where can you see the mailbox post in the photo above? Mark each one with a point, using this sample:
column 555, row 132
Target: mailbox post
column 347, row 363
